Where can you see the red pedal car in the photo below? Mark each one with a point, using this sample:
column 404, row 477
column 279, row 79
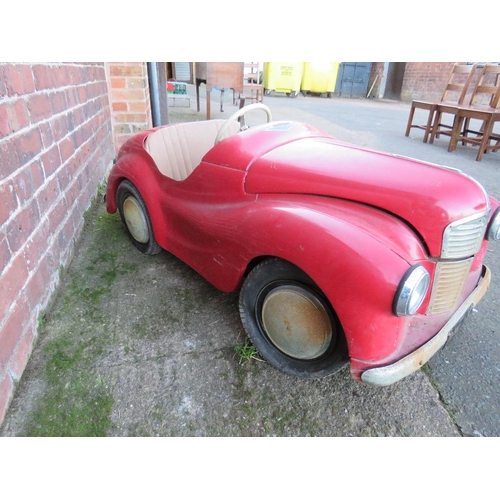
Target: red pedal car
column 341, row 254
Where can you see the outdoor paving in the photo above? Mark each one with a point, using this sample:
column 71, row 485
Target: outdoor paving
column 137, row 345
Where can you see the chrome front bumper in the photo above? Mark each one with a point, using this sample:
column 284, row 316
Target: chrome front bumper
column 387, row 375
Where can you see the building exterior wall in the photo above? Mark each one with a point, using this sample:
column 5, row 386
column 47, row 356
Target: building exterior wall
column 131, row 106
column 56, row 146
column 425, row 80
column 129, row 97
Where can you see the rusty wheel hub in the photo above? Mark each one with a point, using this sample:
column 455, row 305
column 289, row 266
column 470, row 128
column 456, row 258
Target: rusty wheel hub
column 136, row 220
column 297, row 322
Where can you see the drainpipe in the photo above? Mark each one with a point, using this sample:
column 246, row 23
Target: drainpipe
column 157, row 76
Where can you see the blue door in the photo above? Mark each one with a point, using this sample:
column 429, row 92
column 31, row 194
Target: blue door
column 353, row 79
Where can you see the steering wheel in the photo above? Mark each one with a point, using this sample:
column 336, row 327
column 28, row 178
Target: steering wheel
column 241, row 112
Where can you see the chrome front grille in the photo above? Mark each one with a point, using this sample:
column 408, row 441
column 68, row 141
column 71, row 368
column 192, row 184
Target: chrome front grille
column 463, row 238
column 449, row 280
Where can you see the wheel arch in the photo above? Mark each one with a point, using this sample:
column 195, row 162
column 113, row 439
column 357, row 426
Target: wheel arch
column 137, row 169
column 357, row 274
column 299, row 339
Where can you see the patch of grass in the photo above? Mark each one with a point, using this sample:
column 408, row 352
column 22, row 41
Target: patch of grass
column 247, row 352
column 80, row 407
column 108, row 222
column 41, row 321
column 101, row 190
column 76, row 402
column 69, row 354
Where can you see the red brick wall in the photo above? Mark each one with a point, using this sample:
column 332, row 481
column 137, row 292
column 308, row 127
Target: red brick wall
column 56, row 146
column 425, row 80
column 130, row 101
column 421, row 79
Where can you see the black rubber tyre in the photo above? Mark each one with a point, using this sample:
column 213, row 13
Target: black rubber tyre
column 135, row 218
column 290, row 322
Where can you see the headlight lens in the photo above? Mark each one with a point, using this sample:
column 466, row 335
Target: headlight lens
column 494, row 229
column 411, row 291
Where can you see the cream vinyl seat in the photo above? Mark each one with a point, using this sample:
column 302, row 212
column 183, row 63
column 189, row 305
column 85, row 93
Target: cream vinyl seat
column 177, row 149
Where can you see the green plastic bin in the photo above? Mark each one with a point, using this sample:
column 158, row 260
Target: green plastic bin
column 320, row 77
column 284, row 77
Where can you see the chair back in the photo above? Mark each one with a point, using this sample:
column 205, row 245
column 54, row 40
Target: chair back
column 253, row 90
column 251, row 74
column 487, row 90
column 459, row 82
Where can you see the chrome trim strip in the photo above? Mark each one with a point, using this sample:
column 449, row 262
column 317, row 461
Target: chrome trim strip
column 387, row 375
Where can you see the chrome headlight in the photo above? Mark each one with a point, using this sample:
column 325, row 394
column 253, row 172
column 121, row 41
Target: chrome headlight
column 494, row 229
column 411, row 291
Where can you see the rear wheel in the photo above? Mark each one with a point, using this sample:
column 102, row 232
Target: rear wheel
column 290, row 322
column 135, row 217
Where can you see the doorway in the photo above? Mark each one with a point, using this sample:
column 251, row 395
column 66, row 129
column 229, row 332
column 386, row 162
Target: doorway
column 394, row 80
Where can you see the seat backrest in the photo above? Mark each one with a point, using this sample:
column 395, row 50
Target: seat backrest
column 251, row 73
column 487, row 89
column 459, row 82
column 177, row 149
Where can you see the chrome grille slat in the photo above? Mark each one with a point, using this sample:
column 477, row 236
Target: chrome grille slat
column 449, row 280
column 463, row 238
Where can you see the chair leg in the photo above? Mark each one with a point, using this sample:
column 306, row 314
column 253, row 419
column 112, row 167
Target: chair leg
column 435, row 126
column 465, row 130
column 410, row 120
column 428, row 127
column 487, row 131
column 455, row 132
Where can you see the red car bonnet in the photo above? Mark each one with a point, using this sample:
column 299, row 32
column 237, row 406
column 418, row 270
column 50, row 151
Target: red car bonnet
column 422, row 194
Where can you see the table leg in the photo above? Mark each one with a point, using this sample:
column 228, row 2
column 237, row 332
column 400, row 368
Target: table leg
column 198, row 94
column 208, row 104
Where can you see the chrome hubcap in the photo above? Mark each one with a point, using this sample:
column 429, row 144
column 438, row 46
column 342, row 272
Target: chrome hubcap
column 135, row 220
column 297, row 322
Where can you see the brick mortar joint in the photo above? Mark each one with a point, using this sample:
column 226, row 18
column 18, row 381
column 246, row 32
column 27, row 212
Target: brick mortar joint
column 52, row 90
column 50, row 244
column 92, row 159
column 31, row 325
column 38, row 156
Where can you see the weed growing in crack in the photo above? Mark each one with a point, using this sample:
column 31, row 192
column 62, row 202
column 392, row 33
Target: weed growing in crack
column 246, row 352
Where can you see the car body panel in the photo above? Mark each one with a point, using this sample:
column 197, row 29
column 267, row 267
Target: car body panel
column 411, row 190
column 354, row 220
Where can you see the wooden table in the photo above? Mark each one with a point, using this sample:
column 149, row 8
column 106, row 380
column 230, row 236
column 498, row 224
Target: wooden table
column 219, row 76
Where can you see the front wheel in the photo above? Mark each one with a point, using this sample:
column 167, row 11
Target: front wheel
column 135, row 217
column 290, row 322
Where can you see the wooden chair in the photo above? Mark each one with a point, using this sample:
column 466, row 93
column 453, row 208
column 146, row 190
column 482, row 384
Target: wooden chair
column 484, row 137
column 483, row 106
column 458, row 84
column 253, row 90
